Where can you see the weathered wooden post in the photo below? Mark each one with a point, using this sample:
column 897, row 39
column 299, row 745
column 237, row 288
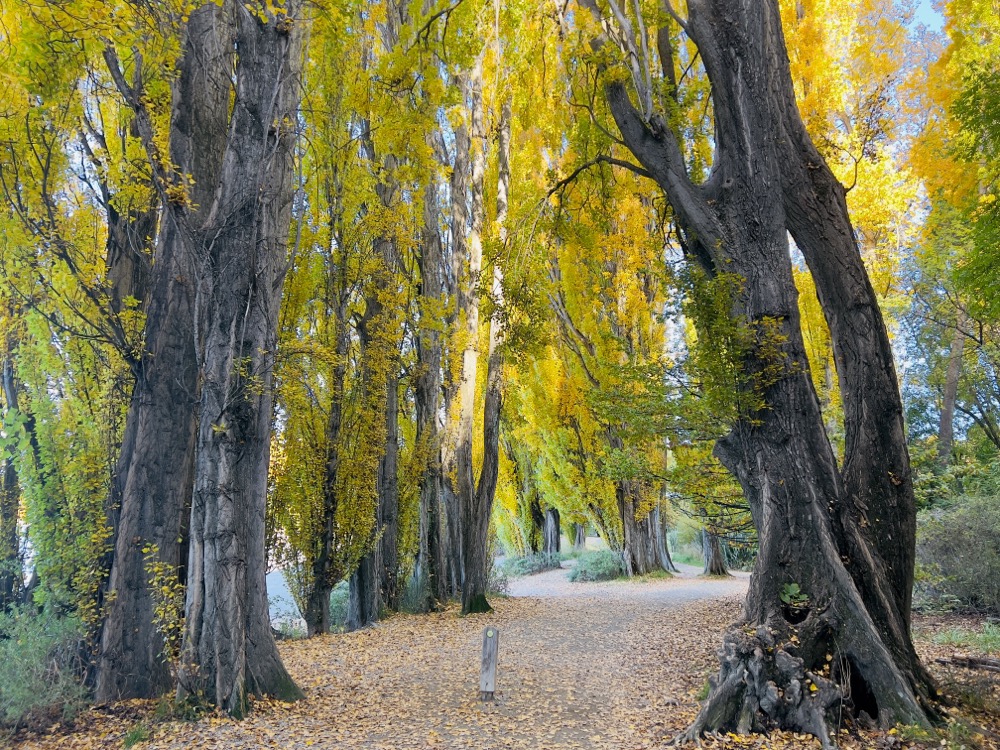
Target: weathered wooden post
column 488, row 671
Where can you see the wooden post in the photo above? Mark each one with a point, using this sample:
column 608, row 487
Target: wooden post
column 488, row 671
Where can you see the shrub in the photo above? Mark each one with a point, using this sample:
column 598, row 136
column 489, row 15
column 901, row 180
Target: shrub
column 41, row 671
column 958, row 551
column 498, row 582
column 602, row 565
column 517, row 567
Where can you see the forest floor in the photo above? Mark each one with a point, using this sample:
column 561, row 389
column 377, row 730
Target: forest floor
column 617, row 665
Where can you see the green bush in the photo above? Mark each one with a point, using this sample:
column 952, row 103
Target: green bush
column 958, row 555
column 602, row 565
column 517, row 567
column 40, row 667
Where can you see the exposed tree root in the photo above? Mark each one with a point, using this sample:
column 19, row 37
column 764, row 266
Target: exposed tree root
column 762, row 686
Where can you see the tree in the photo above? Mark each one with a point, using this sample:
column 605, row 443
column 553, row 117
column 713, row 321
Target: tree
column 155, row 471
column 228, row 651
column 817, row 522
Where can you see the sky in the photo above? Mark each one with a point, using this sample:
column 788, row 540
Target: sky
column 927, row 15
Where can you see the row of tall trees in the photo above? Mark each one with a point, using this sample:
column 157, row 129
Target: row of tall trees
column 357, row 289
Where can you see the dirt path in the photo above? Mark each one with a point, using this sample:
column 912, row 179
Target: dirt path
column 582, row 665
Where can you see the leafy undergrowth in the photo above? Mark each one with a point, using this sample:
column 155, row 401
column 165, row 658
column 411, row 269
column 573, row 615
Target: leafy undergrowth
column 585, row 672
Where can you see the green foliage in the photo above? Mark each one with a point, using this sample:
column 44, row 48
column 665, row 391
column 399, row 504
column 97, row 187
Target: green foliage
column 168, row 594
column 793, row 596
column 958, row 550
column 41, row 669
column 600, row 565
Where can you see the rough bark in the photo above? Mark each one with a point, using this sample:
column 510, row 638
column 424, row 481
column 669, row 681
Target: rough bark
column 229, row 651
column 152, row 486
column 815, row 521
column 643, row 543
column 579, row 537
column 714, row 554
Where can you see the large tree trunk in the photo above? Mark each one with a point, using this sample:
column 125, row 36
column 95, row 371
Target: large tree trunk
column 643, row 550
column 714, row 554
column 153, row 482
column 814, row 522
column 228, row 650
column 431, row 571
column 579, row 537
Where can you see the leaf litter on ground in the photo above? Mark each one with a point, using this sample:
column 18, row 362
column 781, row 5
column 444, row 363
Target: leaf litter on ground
column 611, row 666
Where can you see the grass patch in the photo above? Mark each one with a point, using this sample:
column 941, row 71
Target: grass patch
column 703, row 692
column 602, row 565
column 985, row 641
column 139, row 733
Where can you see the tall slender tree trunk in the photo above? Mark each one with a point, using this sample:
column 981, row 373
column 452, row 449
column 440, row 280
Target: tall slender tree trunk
column 11, row 562
column 816, row 523
column 229, row 652
column 431, row 568
column 153, row 482
column 459, row 184
column 325, row 574
column 373, row 584
column 552, row 535
column 946, row 433
column 388, row 507
column 477, row 501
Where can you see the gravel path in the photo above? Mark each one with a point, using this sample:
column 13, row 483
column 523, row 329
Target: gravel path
column 688, row 585
column 582, row 665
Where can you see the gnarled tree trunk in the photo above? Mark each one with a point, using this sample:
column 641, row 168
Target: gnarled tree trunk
column 152, row 486
column 817, row 523
column 643, row 544
column 228, row 650
column 714, row 554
